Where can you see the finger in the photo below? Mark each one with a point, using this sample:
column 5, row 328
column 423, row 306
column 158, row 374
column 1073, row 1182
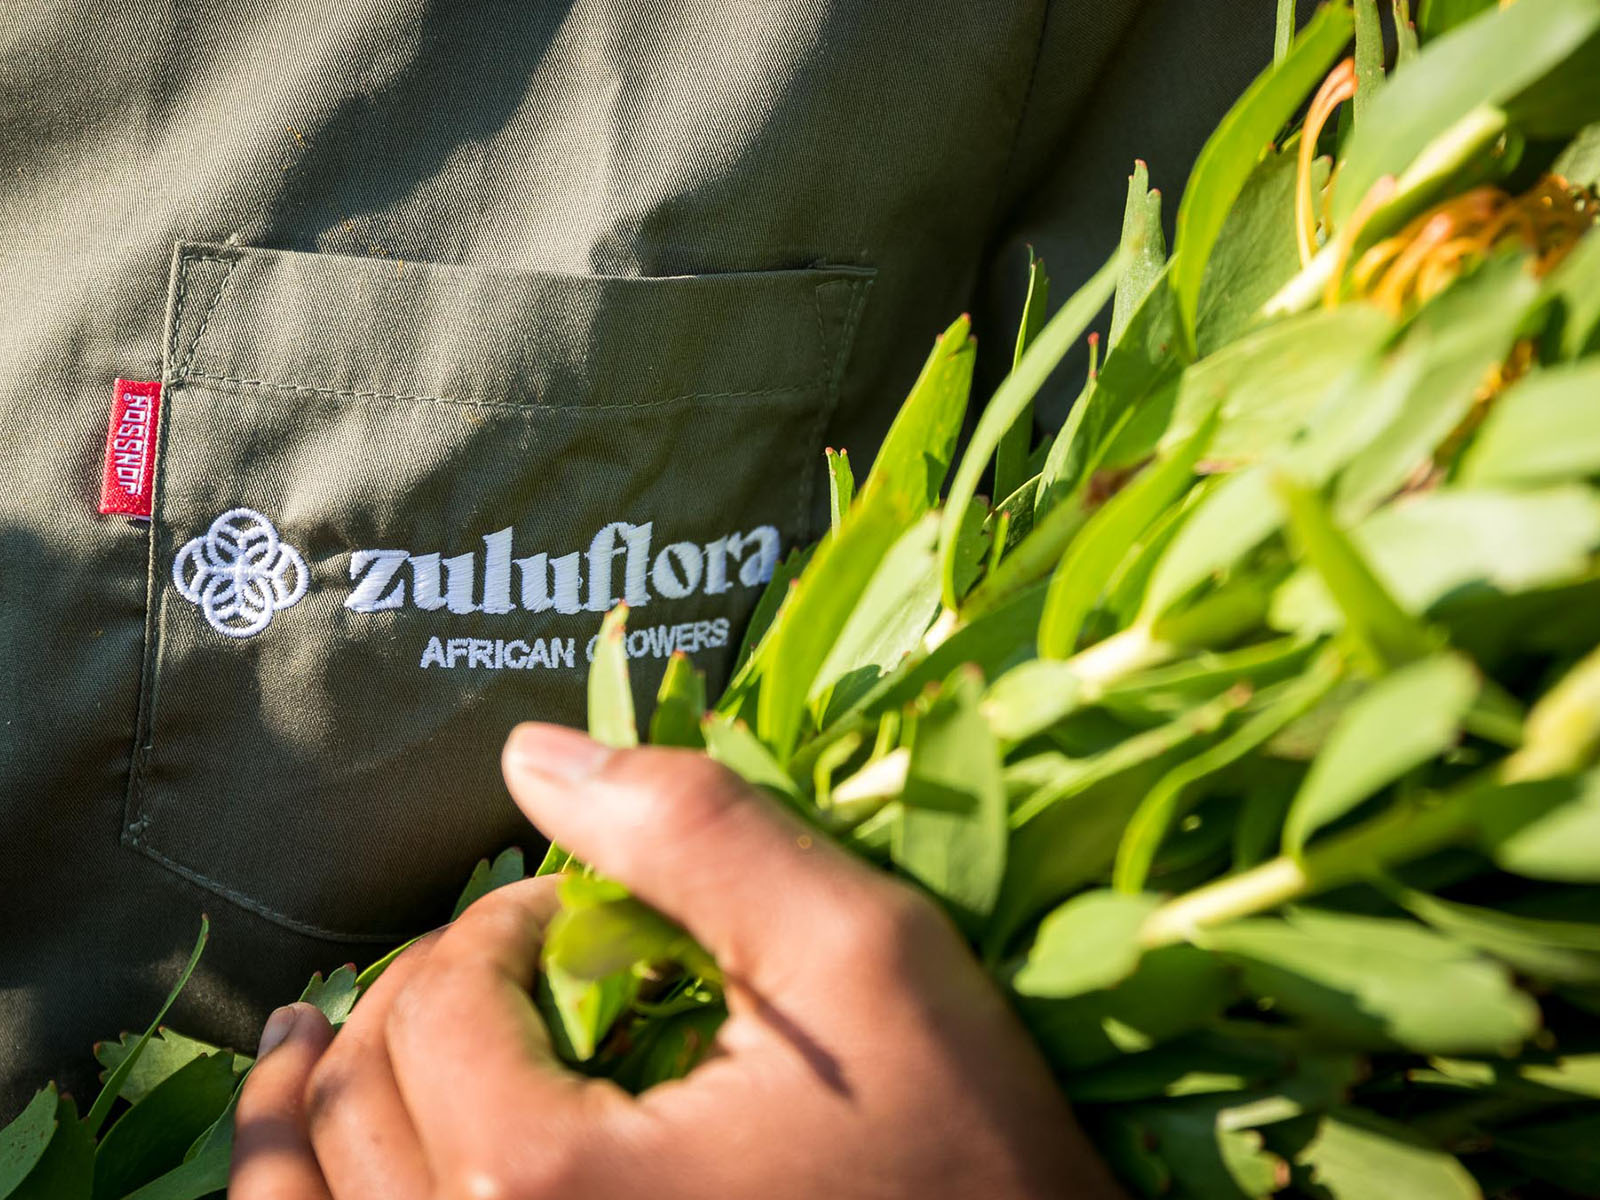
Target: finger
column 360, row 1127
column 686, row 835
column 272, row 1154
column 491, row 1102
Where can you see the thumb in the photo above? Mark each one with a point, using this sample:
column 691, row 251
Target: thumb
column 755, row 886
column 272, row 1154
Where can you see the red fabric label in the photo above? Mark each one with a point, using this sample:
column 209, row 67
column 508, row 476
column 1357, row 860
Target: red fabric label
column 130, row 449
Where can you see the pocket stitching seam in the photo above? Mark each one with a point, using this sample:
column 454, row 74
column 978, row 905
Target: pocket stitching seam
column 501, row 404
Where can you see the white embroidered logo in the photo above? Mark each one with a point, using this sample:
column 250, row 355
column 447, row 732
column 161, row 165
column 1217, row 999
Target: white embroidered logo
column 240, row 573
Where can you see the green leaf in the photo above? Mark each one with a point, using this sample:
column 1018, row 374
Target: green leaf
column 1031, row 697
column 1144, row 251
column 989, row 641
column 1017, row 390
column 1212, row 1157
column 112, row 1087
column 611, row 720
column 1152, row 820
column 200, row 1177
column 766, row 611
column 1403, row 720
column 951, row 835
column 1541, row 430
column 1107, row 540
column 1386, row 633
column 65, row 1171
column 732, row 744
column 668, row 1048
column 507, row 868
column 680, row 705
column 1011, row 455
column 1239, row 513
column 1450, row 543
column 1575, row 285
column 151, row 1137
column 1564, row 1152
column 1088, row 943
column 1369, row 56
column 1137, row 375
column 841, row 486
column 1065, row 834
column 1459, row 338
column 1256, row 252
column 893, row 612
column 915, row 456
column 1376, row 982
column 1356, row 1155
column 24, row 1140
column 903, row 484
column 163, row 1055
column 1556, row 951
column 580, row 1012
column 1273, row 380
column 1486, row 61
column 1579, row 163
column 1436, row 17
column 1549, row 829
column 590, row 941
column 1233, row 150
column 335, row 997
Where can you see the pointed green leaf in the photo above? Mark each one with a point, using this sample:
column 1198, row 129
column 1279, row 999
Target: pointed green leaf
column 1233, row 150
column 163, row 1055
column 951, row 836
column 610, row 695
column 66, row 1169
column 486, row 876
column 1548, row 829
column 1376, row 982
column 1544, row 429
column 895, row 609
column 334, row 997
column 112, row 1087
column 680, row 705
column 1144, row 250
column 1385, row 632
column 1556, row 951
column 151, row 1137
column 1153, row 819
column 1369, row 56
column 1018, row 390
column 1444, row 544
column 1257, row 251
column 841, row 486
column 1486, row 61
column 24, row 1140
column 1011, row 455
column 1356, row 1155
column 1088, row 943
column 1107, row 540
column 1403, row 720
column 732, row 744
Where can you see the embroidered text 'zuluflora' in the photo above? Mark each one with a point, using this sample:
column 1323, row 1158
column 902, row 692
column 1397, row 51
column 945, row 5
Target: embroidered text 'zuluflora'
column 500, row 581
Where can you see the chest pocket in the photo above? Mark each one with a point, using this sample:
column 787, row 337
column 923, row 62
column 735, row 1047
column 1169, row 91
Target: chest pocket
column 392, row 503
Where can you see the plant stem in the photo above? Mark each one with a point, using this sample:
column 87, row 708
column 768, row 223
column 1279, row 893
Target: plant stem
column 1399, row 835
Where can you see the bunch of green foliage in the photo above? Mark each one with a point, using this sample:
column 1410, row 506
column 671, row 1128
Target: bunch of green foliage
column 1251, row 737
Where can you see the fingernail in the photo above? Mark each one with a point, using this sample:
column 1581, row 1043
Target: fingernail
column 278, row 1027
column 556, row 752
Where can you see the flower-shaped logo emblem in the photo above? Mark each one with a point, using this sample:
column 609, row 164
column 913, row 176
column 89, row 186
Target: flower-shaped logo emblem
column 239, row 572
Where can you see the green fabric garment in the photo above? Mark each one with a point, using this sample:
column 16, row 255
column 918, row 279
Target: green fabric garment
column 473, row 318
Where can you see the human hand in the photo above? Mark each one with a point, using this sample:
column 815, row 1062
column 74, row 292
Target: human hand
column 865, row 1053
